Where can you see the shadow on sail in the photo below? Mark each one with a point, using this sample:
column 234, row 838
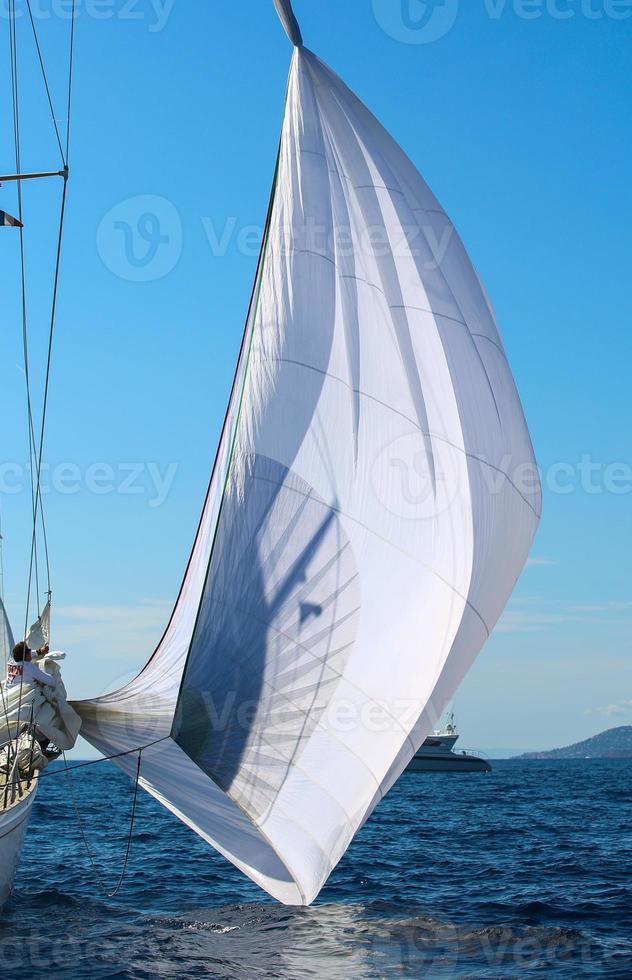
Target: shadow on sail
column 261, row 670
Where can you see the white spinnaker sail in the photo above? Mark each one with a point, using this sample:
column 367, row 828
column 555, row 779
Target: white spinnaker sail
column 368, row 515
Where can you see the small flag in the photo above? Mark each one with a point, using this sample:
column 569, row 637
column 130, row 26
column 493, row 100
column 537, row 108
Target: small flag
column 8, row 221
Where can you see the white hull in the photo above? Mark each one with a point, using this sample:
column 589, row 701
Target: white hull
column 424, row 762
column 13, row 824
column 437, row 755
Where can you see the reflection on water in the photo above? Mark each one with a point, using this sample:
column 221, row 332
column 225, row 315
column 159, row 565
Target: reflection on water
column 522, row 873
column 329, row 942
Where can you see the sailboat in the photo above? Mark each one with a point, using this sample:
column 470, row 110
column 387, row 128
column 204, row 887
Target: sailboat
column 30, row 716
column 366, row 521
column 16, row 796
column 20, row 759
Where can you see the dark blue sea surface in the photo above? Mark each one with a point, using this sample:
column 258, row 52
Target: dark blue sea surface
column 524, row 872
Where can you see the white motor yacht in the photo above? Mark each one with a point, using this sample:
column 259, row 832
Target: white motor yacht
column 437, row 754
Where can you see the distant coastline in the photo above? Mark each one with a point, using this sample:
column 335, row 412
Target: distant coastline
column 615, row 743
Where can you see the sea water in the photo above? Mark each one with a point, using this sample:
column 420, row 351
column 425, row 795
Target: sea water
column 523, row 872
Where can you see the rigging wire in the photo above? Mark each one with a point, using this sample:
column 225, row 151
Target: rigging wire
column 35, row 450
column 130, row 835
column 51, row 333
column 45, row 79
column 36, row 447
column 18, row 157
column 104, row 758
column 71, row 59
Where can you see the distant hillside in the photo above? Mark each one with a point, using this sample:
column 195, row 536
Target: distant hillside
column 616, row 743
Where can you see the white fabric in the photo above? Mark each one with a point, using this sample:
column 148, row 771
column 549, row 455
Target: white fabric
column 39, row 633
column 26, row 751
column 285, row 12
column 367, row 517
column 45, row 706
column 26, row 673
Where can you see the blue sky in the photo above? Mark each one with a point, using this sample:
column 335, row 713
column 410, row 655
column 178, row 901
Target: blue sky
column 518, row 117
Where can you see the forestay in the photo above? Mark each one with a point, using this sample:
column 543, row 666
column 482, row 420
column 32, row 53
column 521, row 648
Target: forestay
column 372, row 504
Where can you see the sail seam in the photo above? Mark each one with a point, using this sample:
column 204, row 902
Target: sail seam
column 308, row 251
column 483, row 336
column 391, row 544
column 341, row 676
column 407, row 418
column 339, row 172
column 397, row 306
column 431, row 211
column 455, row 319
column 362, row 145
column 292, row 763
column 283, row 859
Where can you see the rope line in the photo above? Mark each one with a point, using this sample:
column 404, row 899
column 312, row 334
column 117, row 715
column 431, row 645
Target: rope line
column 95, row 869
column 71, row 57
column 18, row 157
column 45, row 79
column 51, row 335
column 105, row 758
column 36, row 446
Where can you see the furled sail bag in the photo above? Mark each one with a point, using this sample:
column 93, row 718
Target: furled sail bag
column 364, row 525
